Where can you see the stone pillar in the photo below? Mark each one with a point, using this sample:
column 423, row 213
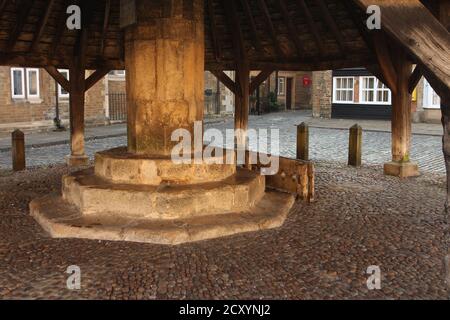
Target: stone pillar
column 401, row 121
column 164, row 59
column 321, row 94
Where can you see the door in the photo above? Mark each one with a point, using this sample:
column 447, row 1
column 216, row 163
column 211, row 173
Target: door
column 289, row 83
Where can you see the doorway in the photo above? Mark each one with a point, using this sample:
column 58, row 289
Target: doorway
column 289, row 82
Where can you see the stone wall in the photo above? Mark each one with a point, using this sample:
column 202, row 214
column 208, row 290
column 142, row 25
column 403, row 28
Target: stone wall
column 321, row 93
column 38, row 114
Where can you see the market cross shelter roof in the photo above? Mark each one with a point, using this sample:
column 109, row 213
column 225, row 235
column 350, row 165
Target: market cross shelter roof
column 276, row 34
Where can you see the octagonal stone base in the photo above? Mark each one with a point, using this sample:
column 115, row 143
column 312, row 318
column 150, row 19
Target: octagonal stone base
column 120, row 166
column 150, row 199
column 62, row 220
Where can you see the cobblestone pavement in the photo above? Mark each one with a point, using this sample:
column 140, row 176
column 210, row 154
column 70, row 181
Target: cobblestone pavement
column 325, row 144
column 361, row 218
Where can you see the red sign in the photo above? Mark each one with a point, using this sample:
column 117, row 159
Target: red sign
column 307, row 81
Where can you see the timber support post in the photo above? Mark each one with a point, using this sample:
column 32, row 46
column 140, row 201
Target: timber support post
column 396, row 69
column 303, row 142
column 18, row 150
column 77, row 155
column 355, row 146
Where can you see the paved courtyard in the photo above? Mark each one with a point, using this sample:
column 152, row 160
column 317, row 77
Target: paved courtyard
column 326, row 144
column 361, row 218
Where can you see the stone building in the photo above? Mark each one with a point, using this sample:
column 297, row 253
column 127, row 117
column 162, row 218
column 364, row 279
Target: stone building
column 29, row 98
column 357, row 94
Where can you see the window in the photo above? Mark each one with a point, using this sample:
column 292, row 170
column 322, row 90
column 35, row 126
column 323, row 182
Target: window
column 431, row 99
column 281, row 86
column 33, row 83
column 25, row 83
column 343, row 89
column 61, row 92
column 17, row 83
column 374, row 91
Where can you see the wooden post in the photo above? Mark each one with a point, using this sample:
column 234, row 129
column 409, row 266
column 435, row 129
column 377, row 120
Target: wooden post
column 355, row 146
column 401, row 119
column 303, row 142
column 18, row 150
column 77, row 83
column 242, row 104
column 396, row 69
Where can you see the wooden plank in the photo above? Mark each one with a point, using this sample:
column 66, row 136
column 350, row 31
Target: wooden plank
column 293, row 30
column 214, row 32
column 25, row 8
column 311, row 25
column 332, row 25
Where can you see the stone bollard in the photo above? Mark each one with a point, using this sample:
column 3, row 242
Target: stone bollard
column 355, row 146
column 303, row 142
column 18, row 150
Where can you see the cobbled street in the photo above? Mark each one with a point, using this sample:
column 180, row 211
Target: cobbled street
column 360, row 218
column 326, row 145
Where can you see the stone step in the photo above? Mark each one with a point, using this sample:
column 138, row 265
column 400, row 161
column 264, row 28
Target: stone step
column 62, row 220
column 96, row 196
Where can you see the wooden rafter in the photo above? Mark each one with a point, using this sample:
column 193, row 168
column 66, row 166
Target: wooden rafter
column 55, row 74
column 106, row 17
column 259, row 79
column 268, row 21
column 225, row 79
column 294, row 32
column 3, row 4
column 61, row 26
column 252, row 24
column 25, row 8
column 95, row 77
column 236, row 32
column 311, row 25
column 214, row 34
column 385, row 61
column 42, row 25
column 415, row 78
column 332, row 25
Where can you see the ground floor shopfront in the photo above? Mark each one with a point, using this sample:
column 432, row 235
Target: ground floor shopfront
column 357, row 94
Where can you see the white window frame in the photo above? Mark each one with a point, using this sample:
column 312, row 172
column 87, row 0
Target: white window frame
column 335, row 91
column 428, row 93
column 60, row 93
column 13, row 95
column 29, row 95
column 281, row 86
column 375, row 91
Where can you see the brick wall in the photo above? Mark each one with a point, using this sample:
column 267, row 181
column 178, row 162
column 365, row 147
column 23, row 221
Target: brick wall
column 321, row 93
column 39, row 113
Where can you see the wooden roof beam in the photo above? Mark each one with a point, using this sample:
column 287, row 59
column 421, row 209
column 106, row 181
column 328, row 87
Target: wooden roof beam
column 61, row 26
column 259, row 79
column 266, row 15
column 293, row 30
column 311, row 25
column 214, row 34
column 42, row 25
column 252, row 24
column 55, row 74
column 3, row 4
column 225, row 79
column 236, row 32
column 332, row 25
column 385, row 61
column 95, row 77
column 23, row 8
column 106, row 17
column 415, row 78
